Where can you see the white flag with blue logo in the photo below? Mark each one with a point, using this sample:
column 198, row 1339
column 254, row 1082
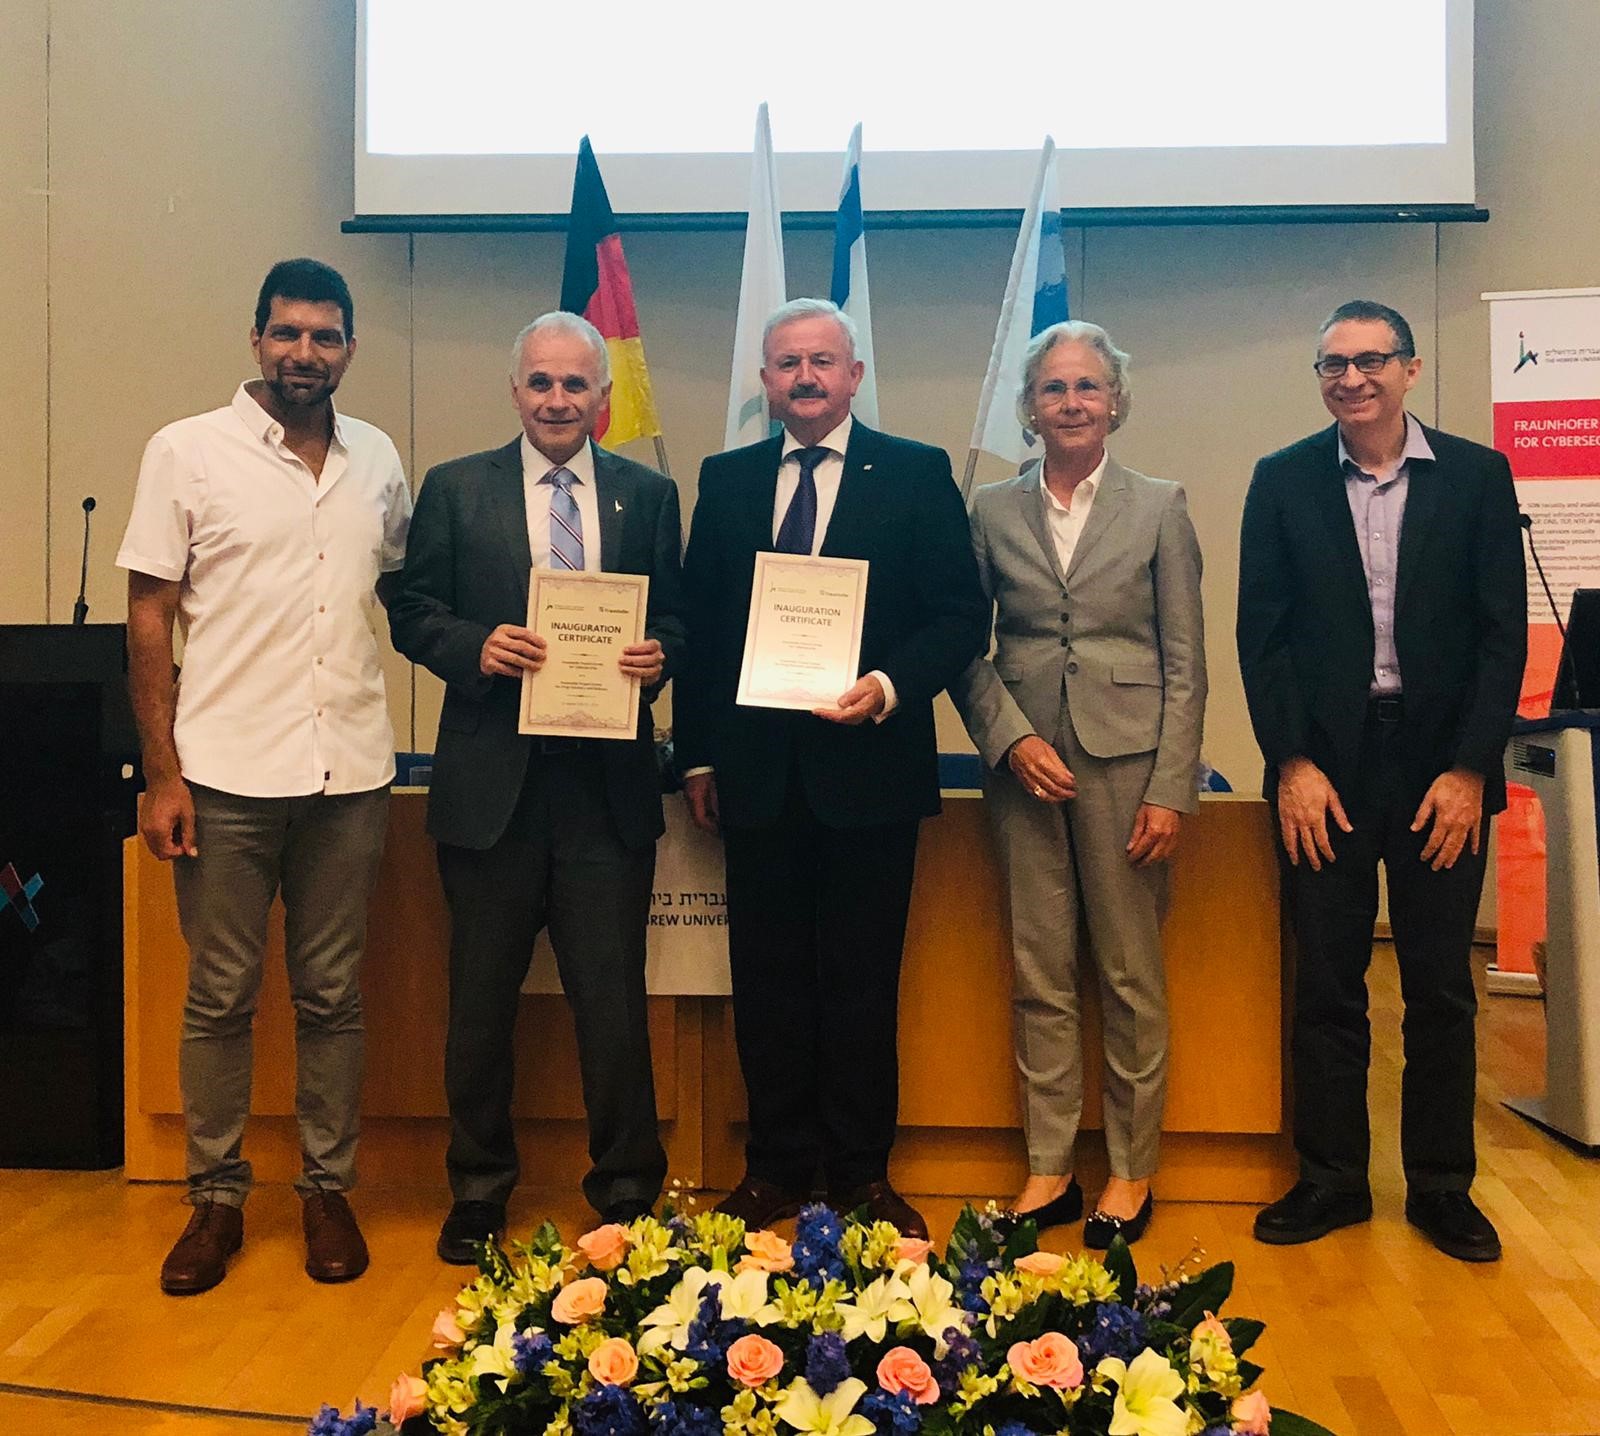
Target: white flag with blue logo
column 1036, row 298
column 762, row 289
column 849, row 287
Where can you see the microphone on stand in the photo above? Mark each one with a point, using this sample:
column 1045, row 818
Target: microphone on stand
column 1526, row 520
column 80, row 610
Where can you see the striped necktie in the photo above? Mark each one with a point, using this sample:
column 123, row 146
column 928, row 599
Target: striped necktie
column 566, row 524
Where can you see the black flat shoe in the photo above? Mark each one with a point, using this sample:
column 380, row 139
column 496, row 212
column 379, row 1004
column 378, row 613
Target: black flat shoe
column 1307, row 1211
column 1453, row 1223
column 1057, row 1212
column 1102, row 1228
column 468, row 1225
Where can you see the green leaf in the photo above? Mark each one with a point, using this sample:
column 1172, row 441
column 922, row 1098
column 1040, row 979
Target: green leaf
column 1205, row 1293
column 1243, row 1332
column 1287, row 1423
column 1119, row 1262
column 1023, row 1241
column 1249, row 1373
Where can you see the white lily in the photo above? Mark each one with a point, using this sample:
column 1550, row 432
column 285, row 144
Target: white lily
column 745, row 1296
column 1147, row 1391
column 931, row 1306
column 876, row 1305
column 830, row 1415
column 668, row 1324
column 496, row 1358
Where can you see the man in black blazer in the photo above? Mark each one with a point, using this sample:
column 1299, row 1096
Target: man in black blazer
column 819, row 811
column 541, row 831
column 1382, row 630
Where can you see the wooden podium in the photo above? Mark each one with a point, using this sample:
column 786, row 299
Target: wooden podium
column 960, row 1126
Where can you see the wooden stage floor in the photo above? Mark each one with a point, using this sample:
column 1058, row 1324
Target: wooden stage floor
column 1369, row 1331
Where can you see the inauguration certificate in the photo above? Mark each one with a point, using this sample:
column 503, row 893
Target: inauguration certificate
column 586, row 620
column 802, row 645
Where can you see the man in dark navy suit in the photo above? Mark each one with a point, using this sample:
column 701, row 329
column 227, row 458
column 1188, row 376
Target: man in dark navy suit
column 1382, row 631
column 819, row 811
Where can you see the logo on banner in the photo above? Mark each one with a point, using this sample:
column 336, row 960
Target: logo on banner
column 1525, row 355
column 14, row 892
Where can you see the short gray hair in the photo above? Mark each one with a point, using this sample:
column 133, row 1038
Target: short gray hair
column 1082, row 332
column 810, row 309
column 563, row 321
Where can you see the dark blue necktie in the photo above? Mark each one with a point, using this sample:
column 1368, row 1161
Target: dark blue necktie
column 799, row 527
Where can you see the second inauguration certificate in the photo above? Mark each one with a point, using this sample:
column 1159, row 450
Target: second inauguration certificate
column 586, row 620
column 802, row 645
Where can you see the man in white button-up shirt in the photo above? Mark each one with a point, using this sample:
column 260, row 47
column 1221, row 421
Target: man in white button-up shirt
column 262, row 529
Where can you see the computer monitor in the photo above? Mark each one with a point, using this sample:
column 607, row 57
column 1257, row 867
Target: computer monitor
column 1578, row 676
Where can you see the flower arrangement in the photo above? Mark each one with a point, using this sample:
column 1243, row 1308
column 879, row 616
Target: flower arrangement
column 691, row 1326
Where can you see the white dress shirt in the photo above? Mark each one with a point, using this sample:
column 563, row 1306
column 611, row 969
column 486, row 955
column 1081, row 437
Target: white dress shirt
column 281, row 693
column 538, row 494
column 1065, row 521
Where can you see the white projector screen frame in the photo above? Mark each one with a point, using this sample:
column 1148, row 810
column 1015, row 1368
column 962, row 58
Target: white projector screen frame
column 1379, row 87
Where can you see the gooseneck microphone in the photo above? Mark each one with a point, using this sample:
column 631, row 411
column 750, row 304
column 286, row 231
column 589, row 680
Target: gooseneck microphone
column 80, row 610
column 1526, row 520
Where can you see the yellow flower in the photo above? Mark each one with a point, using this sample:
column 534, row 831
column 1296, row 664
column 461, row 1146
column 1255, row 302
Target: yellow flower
column 876, row 1305
column 830, row 1415
column 932, row 1309
column 1146, row 1402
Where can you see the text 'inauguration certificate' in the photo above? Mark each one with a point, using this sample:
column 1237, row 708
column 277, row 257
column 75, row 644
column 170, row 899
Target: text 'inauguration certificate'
column 586, row 620
column 802, row 645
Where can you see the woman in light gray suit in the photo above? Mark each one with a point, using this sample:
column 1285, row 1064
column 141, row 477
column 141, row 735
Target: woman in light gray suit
column 1088, row 722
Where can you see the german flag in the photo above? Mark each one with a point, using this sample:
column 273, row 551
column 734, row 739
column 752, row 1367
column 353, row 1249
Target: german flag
column 595, row 284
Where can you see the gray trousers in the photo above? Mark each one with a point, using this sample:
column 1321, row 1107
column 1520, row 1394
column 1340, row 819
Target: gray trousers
column 322, row 852
column 1066, row 872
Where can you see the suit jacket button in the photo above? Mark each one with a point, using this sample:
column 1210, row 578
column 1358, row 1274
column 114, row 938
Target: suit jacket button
column 1072, row 668
column 1065, row 641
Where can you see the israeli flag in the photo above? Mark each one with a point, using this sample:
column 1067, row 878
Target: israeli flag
column 849, row 287
column 1036, row 298
column 762, row 288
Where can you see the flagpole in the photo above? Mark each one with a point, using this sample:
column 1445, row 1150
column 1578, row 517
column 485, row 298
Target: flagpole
column 661, row 456
column 966, row 478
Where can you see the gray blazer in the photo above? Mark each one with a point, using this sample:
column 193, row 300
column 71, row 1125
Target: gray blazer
column 1118, row 638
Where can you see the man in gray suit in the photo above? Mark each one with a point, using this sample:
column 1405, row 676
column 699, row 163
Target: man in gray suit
column 536, row 832
column 1088, row 720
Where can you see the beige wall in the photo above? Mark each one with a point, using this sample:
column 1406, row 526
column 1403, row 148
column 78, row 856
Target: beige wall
column 186, row 144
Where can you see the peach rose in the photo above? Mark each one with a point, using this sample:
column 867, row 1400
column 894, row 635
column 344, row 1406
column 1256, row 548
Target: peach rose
column 1040, row 1263
column 605, row 1246
column 912, row 1249
column 903, row 1370
column 1050, row 1360
column 407, row 1398
column 765, row 1251
column 578, row 1300
column 1251, row 1414
column 447, row 1332
column 613, row 1362
column 754, row 1361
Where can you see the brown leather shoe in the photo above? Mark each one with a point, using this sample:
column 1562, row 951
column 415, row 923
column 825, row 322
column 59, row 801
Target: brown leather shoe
column 335, row 1250
column 883, row 1204
column 759, row 1204
column 199, row 1260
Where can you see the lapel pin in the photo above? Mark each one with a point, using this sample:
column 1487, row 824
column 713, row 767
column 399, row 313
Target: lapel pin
column 866, row 468
column 618, row 503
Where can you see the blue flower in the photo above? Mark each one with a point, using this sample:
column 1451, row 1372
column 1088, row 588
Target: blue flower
column 1117, row 1331
column 961, row 1351
column 826, row 1362
column 529, row 1352
column 608, row 1411
column 672, row 1419
column 1014, row 1428
column 328, row 1422
column 816, row 1245
column 896, row 1415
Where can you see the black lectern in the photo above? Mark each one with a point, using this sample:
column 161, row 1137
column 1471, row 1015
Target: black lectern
column 68, row 784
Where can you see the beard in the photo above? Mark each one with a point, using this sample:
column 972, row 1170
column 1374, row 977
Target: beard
column 313, row 389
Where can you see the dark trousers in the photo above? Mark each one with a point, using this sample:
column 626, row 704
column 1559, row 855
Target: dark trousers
column 816, row 923
column 1432, row 916
column 560, row 862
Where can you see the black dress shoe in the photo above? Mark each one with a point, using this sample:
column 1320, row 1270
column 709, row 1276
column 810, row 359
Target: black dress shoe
column 1057, row 1212
column 758, row 1204
column 1310, row 1210
column 625, row 1210
column 1102, row 1228
column 468, row 1226
column 1453, row 1223
column 881, row 1203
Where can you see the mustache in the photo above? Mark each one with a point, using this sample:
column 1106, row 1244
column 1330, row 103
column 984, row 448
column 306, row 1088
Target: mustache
column 808, row 391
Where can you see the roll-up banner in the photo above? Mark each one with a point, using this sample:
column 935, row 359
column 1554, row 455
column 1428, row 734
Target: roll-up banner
column 1544, row 348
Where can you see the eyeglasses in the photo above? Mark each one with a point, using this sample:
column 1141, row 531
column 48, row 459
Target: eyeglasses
column 1332, row 366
